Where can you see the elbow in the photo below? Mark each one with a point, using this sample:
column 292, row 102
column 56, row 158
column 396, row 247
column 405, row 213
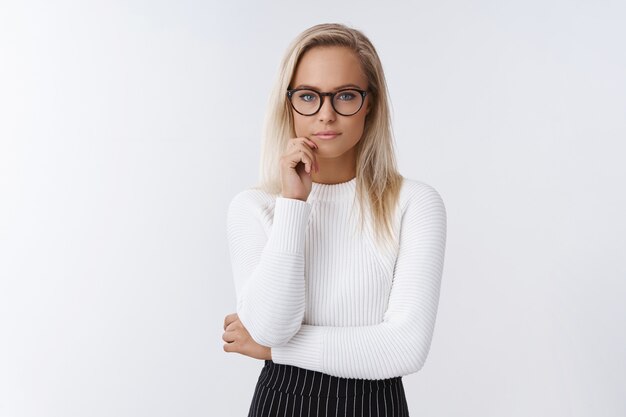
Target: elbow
column 418, row 358
column 416, row 350
column 275, row 341
column 274, row 337
column 281, row 335
column 270, row 331
column 417, row 364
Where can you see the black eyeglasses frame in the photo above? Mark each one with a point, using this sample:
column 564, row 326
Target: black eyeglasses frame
column 363, row 93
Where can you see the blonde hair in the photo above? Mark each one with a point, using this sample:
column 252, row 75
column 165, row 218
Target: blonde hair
column 378, row 182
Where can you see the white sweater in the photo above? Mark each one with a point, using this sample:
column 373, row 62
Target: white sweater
column 327, row 300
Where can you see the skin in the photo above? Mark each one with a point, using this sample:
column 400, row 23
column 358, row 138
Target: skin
column 310, row 159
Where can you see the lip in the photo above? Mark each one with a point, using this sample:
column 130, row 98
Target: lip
column 328, row 134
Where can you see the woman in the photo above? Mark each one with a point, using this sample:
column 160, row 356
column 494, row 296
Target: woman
column 338, row 309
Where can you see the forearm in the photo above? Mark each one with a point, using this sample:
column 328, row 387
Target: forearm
column 269, row 271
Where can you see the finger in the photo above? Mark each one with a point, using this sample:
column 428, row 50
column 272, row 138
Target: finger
column 302, row 153
column 231, row 347
column 313, row 155
column 233, row 325
column 294, row 158
column 229, row 336
column 302, row 139
column 309, row 141
column 308, row 162
column 314, row 146
column 299, row 152
column 229, row 319
column 305, row 140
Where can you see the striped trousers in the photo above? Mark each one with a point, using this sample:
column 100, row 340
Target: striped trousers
column 289, row 391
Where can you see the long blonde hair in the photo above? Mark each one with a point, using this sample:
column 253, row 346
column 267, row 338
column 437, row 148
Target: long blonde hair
column 378, row 181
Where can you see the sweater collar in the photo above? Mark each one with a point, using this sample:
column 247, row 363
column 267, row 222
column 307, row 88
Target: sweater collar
column 332, row 192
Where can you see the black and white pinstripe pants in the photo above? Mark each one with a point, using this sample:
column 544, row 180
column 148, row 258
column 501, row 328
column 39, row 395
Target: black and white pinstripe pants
column 289, row 391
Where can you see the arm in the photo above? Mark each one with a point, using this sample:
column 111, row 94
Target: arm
column 268, row 271
column 399, row 344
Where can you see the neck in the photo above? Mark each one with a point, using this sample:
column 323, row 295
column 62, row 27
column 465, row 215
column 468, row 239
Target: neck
column 335, row 170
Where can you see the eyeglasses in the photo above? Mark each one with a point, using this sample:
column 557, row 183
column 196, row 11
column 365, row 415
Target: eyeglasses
column 307, row 102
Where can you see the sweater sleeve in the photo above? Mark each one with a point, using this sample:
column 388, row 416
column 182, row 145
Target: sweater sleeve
column 268, row 271
column 398, row 345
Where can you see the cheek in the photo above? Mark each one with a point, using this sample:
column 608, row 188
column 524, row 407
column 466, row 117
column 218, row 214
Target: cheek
column 358, row 125
column 299, row 124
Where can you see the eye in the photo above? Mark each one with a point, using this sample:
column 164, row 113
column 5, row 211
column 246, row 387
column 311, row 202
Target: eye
column 346, row 95
column 307, row 97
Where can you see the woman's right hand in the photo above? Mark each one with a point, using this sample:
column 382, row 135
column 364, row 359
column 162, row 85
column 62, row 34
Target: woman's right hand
column 296, row 165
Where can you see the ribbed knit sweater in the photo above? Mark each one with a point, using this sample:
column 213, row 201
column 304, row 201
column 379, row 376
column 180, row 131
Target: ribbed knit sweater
column 327, row 299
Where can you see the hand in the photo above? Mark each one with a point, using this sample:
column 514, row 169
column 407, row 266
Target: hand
column 239, row 340
column 296, row 166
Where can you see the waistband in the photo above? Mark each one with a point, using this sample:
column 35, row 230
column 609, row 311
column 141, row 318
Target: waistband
column 294, row 380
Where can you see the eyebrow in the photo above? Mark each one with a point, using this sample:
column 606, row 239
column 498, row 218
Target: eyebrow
column 336, row 88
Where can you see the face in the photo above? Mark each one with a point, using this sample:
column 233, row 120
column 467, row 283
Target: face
column 328, row 69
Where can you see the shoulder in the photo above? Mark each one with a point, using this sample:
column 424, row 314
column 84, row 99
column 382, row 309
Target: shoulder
column 253, row 201
column 422, row 202
column 423, row 216
column 419, row 194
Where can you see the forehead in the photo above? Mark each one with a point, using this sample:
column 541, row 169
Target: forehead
column 329, row 67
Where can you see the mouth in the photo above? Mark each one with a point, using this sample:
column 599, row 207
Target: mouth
column 326, row 135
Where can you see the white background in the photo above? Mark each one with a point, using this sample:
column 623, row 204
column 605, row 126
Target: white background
column 126, row 127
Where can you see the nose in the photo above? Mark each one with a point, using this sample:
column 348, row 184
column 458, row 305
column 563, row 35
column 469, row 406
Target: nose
column 326, row 112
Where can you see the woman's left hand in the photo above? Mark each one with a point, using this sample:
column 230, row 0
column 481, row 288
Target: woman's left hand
column 239, row 340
